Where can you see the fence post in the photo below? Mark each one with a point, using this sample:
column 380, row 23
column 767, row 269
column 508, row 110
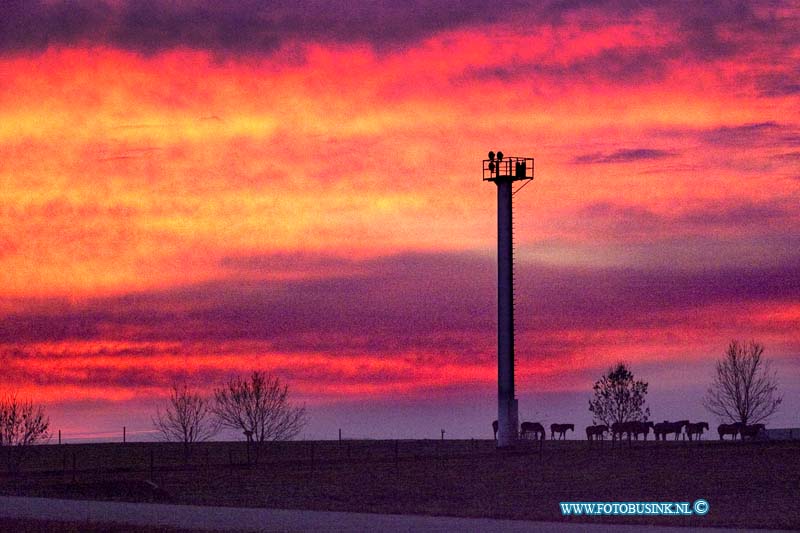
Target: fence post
column 152, row 464
column 59, row 437
column 340, row 434
column 74, row 461
column 397, row 457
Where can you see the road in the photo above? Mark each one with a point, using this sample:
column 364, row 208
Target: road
column 249, row 519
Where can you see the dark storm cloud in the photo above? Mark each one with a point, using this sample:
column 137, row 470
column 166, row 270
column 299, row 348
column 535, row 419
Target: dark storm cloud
column 623, row 156
column 415, row 301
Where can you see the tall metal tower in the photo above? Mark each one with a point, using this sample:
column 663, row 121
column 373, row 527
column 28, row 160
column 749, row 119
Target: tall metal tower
column 504, row 171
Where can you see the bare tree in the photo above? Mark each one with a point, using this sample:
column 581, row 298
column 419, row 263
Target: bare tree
column 744, row 388
column 22, row 424
column 260, row 408
column 186, row 418
column 618, row 397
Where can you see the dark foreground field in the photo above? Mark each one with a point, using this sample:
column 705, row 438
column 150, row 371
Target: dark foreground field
column 754, row 485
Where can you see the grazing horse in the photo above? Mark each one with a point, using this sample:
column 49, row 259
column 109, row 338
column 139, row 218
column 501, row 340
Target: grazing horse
column 751, row 431
column 696, row 429
column 664, row 428
column 532, row 427
column 638, row 428
column 729, row 429
column 617, row 429
column 632, row 428
column 620, row 428
column 596, row 432
column 494, row 427
column 684, row 423
column 561, row 429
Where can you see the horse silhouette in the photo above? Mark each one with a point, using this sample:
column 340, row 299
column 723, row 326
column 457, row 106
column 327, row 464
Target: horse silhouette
column 617, row 429
column 751, row 431
column 696, row 429
column 596, row 432
column 561, row 429
column 637, row 428
column 532, row 427
column 664, row 428
column 632, row 428
column 729, row 429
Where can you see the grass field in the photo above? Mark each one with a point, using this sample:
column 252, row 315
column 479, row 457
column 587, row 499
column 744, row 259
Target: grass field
column 752, row 484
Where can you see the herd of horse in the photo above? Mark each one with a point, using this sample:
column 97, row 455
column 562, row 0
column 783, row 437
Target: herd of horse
column 632, row 430
column 535, row 431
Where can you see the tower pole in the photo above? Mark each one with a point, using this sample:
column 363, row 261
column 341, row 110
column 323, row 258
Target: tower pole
column 507, row 417
column 504, row 171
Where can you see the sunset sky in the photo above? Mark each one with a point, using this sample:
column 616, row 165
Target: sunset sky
column 191, row 190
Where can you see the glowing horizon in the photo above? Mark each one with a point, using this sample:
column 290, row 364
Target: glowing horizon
column 191, row 191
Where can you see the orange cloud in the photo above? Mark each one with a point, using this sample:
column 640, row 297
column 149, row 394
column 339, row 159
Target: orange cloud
column 132, row 172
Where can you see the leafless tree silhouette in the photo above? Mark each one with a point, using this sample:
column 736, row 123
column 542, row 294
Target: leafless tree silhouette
column 22, row 424
column 186, row 418
column 744, row 388
column 259, row 405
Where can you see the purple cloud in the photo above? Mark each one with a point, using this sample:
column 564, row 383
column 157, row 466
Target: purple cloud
column 245, row 26
column 709, row 30
column 742, row 215
column 743, row 135
column 626, row 155
column 740, row 136
column 779, row 84
column 622, row 65
column 409, row 302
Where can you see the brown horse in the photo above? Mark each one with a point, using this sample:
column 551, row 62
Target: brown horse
column 696, row 429
column 561, row 429
column 532, row 427
column 596, row 432
column 751, row 431
column 662, row 429
column 729, row 429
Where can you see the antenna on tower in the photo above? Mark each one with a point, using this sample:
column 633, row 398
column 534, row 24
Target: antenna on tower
column 504, row 171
